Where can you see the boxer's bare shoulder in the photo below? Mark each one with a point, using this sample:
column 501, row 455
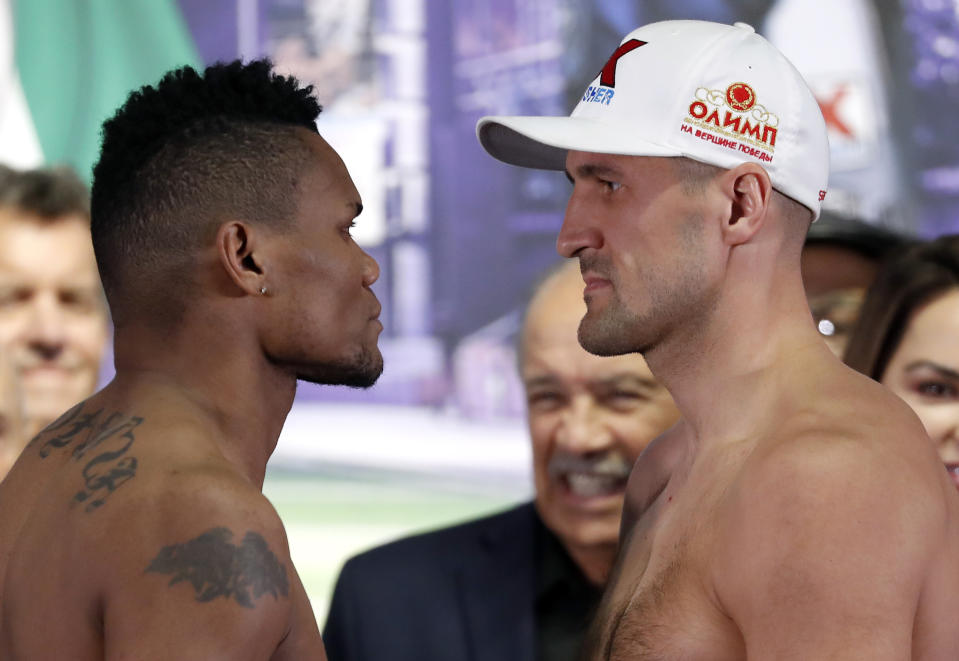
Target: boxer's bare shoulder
column 148, row 543
column 834, row 523
column 844, row 527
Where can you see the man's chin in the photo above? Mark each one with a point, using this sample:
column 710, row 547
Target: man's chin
column 592, row 535
column 598, row 339
column 361, row 373
column 46, row 404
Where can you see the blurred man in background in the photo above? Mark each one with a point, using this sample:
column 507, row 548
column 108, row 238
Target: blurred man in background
column 53, row 317
column 520, row 585
column 840, row 259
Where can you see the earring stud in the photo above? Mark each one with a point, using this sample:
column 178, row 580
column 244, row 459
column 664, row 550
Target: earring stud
column 262, row 290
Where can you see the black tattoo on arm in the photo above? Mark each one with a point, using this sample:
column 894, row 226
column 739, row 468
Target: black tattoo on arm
column 217, row 568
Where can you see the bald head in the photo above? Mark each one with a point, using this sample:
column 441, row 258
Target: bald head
column 556, row 306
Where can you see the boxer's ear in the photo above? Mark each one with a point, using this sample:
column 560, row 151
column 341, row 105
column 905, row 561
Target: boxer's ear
column 239, row 254
column 748, row 193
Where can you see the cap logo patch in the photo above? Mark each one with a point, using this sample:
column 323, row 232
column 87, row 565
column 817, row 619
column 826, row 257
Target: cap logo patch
column 732, row 118
column 607, row 77
column 604, row 92
column 740, row 96
column 594, row 94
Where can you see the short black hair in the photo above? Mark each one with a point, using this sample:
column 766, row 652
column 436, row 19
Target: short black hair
column 180, row 157
column 47, row 194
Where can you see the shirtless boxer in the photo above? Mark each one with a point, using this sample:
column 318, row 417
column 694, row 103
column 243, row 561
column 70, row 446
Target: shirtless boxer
column 134, row 526
column 796, row 511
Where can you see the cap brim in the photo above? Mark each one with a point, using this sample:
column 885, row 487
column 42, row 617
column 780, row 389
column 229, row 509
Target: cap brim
column 542, row 142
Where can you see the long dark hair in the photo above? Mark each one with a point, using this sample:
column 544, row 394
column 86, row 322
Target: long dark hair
column 905, row 283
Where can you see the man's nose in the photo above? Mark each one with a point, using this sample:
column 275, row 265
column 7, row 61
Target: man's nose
column 45, row 331
column 949, row 441
column 576, row 235
column 371, row 270
column 581, row 429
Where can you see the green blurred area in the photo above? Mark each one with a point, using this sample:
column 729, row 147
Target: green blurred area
column 79, row 59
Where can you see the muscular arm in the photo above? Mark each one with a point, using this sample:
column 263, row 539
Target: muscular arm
column 213, row 580
column 825, row 554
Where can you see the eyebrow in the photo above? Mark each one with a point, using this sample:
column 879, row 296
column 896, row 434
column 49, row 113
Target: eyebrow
column 549, row 380
column 942, row 370
column 595, row 170
column 633, row 379
column 542, row 381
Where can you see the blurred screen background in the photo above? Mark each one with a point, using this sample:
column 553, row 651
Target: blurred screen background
column 460, row 238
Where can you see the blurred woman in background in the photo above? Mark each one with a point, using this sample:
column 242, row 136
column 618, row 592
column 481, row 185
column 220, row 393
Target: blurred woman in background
column 907, row 338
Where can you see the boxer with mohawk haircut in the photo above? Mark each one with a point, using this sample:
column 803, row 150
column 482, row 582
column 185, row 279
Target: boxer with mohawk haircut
column 134, row 526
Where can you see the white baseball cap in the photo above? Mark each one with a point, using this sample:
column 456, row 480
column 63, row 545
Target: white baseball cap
column 719, row 94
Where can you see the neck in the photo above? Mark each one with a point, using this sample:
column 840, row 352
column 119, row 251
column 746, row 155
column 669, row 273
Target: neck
column 214, row 375
column 724, row 370
column 596, row 562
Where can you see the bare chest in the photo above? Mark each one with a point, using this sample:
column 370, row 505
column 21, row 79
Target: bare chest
column 661, row 605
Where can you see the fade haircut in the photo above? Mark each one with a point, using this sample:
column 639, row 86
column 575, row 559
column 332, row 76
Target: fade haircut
column 694, row 175
column 46, row 194
column 181, row 157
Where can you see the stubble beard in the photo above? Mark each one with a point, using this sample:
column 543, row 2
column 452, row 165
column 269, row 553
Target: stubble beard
column 359, row 371
column 617, row 330
column 673, row 304
column 611, row 332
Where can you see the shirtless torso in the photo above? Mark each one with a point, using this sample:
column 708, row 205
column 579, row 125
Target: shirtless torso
column 823, row 532
column 126, row 532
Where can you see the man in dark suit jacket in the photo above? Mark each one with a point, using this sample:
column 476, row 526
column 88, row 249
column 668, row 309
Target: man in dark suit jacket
column 520, row 585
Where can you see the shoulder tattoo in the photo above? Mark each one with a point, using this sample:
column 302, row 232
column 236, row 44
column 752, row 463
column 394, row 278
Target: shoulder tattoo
column 99, row 440
column 216, row 567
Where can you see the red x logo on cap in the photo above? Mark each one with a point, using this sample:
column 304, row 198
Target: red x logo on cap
column 607, row 76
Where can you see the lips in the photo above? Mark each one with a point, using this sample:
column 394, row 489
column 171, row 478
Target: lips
column 595, row 284
column 47, row 373
column 593, row 280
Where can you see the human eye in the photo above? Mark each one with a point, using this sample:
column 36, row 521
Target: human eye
column 936, row 389
column 622, row 399
column 11, row 296
column 80, row 301
column 610, row 186
column 544, row 400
